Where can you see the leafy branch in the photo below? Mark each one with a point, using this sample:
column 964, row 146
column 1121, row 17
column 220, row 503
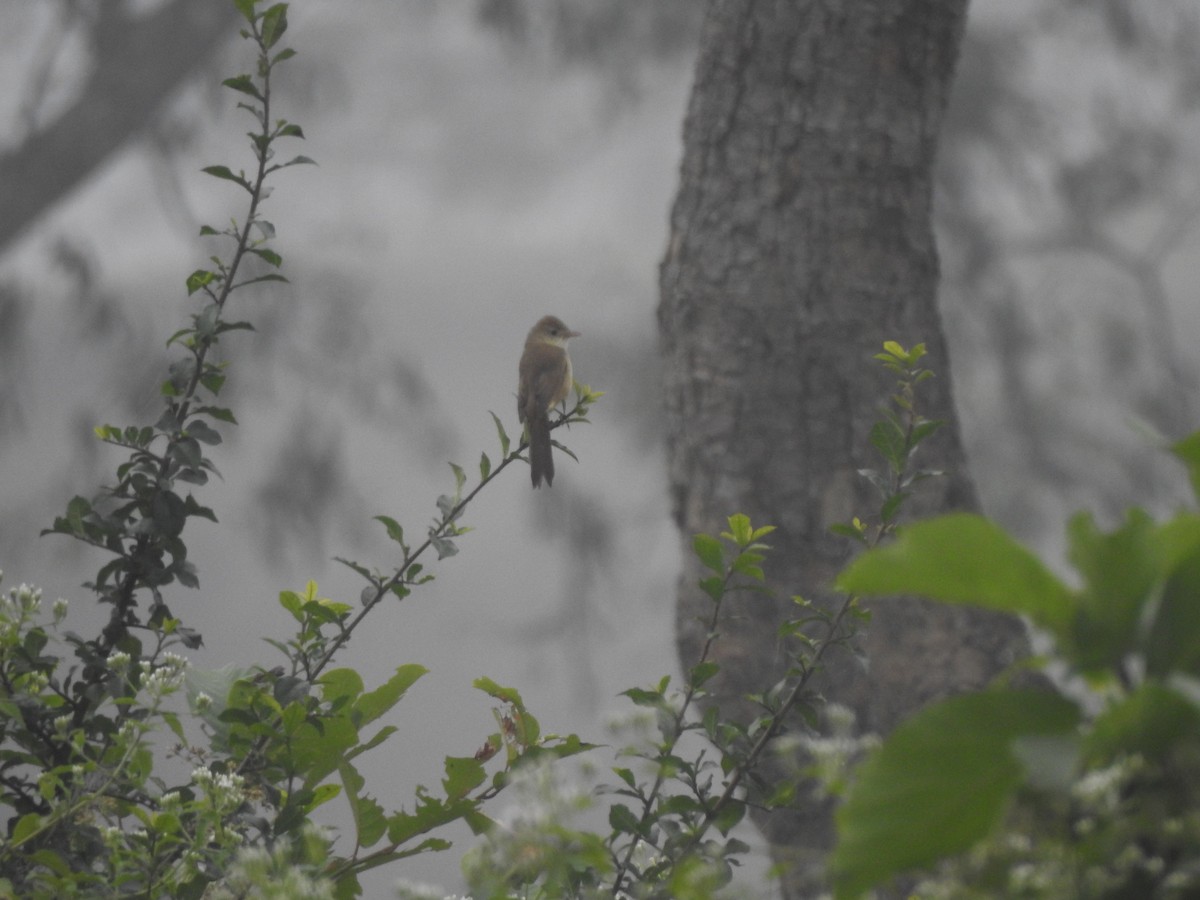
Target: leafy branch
column 896, row 437
column 410, row 572
column 140, row 519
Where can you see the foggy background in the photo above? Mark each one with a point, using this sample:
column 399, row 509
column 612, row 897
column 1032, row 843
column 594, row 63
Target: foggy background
column 482, row 163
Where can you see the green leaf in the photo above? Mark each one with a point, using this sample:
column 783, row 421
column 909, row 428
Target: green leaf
column 938, row 784
column 708, row 551
column 203, row 432
column 963, row 558
column 747, row 564
column 888, row 439
column 463, row 775
column 892, row 505
column 1187, row 451
column 460, row 478
column 225, row 173
column 714, row 586
column 1173, row 642
column 274, row 24
column 246, row 8
column 622, row 820
column 702, row 672
column 1151, row 723
column 243, row 84
column 925, row 429
column 337, row 684
column 370, row 823
column 728, row 816
column 372, row 705
column 213, row 381
column 501, row 693
column 267, row 255
column 740, row 531
column 504, row 442
column 198, row 279
column 394, row 531
column 26, row 826
column 220, row 413
column 294, row 161
column 485, row 466
column 1120, row 570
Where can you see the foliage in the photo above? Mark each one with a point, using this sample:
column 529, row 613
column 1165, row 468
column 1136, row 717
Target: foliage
column 683, row 786
column 99, row 806
column 1085, row 786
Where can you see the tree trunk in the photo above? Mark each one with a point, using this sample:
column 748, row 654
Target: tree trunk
column 800, row 241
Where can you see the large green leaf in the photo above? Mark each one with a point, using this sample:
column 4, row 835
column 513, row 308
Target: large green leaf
column 939, row 783
column 1120, row 571
column 963, row 558
column 370, row 706
column 1173, row 641
column 1150, row 722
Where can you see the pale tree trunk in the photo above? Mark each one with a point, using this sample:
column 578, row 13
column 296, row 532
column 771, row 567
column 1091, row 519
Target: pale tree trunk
column 800, row 241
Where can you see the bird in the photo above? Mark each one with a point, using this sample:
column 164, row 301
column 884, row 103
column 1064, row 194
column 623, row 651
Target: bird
column 545, row 380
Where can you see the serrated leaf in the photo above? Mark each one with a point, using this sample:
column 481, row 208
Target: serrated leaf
column 463, row 774
column 498, row 691
column 370, row 823
column 370, row 706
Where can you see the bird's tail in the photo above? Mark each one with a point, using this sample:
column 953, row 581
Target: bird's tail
column 541, row 459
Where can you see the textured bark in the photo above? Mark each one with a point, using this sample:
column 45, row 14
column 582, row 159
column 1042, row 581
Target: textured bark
column 801, row 240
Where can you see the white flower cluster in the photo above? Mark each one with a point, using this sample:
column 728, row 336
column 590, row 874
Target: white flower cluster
column 226, row 790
